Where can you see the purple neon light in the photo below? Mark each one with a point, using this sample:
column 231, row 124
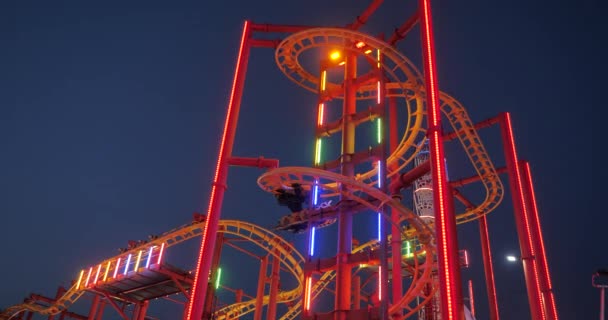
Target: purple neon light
column 312, row 241
column 379, row 174
column 127, row 264
column 379, row 226
column 149, row 256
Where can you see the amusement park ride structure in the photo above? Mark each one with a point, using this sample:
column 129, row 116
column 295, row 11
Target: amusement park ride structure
column 412, row 267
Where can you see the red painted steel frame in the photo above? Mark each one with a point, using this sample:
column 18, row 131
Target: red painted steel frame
column 539, row 243
column 445, row 221
column 471, row 298
column 522, row 222
column 195, row 307
column 488, row 269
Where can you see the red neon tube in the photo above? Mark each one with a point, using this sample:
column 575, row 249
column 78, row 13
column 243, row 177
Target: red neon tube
column 199, row 288
column 488, row 268
column 445, row 222
column 537, row 234
column 521, row 220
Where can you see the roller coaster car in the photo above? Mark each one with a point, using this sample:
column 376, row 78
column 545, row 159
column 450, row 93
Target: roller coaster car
column 292, row 200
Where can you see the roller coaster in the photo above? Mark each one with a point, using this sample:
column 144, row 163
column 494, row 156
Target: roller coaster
column 376, row 85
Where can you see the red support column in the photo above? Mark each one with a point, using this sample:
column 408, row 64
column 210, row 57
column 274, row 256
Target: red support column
column 259, row 298
column 521, row 220
column 274, row 287
column 199, row 288
column 397, row 286
column 445, row 221
column 488, row 268
column 539, row 244
column 471, row 298
column 102, row 307
column 93, row 310
column 345, row 220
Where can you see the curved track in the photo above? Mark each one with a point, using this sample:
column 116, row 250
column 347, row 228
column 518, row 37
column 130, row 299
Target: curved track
column 289, row 257
column 368, row 196
column 404, row 81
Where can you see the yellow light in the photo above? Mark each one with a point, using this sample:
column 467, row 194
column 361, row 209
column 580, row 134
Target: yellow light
column 335, row 55
column 105, row 276
column 342, row 63
column 368, row 51
column 360, row 44
column 323, row 80
column 79, row 279
column 138, row 260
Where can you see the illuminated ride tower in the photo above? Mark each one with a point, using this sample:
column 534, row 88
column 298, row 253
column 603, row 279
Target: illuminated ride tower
column 357, row 74
column 423, row 206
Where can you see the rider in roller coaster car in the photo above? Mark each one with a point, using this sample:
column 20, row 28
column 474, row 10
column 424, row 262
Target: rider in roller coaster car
column 293, row 200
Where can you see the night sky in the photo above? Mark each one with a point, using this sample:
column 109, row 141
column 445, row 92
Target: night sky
column 111, row 113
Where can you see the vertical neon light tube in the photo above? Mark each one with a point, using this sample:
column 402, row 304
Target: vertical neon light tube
column 138, row 261
column 116, row 268
column 150, row 256
column 86, row 283
column 160, row 253
column 312, row 241
column 379, row 227
column 308, row 292
column 379, row 283
column 97, row 274
column 445, row 221
column 318, row 151
column 105, row 275
column 323, row 80
column 127, row 264
column 217, row 279
column 198, row 290
column 320, row 117
column 379, row 130
column 79, row 279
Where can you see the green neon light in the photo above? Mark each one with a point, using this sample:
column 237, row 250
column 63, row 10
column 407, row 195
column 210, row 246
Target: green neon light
column 217, row 279
column 408, row 249
column 379, row 130
column 318, row 151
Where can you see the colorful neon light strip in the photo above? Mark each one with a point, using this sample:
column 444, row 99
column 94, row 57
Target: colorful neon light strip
column 116, row 268
column 217, row 279
column 127, row 264
column 320, row 116
column 149, row 256
column 138, row 261
column 105, row 275
column 312, row 241
column 379, row 130
column 379, row 283
column 79, row 279
column 160, row 253
column 318, row 151
column 86, row 283
column 308, row 292
column 379, row 226
column 97, row 274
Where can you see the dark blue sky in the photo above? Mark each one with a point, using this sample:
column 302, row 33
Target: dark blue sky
column 110, row 115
